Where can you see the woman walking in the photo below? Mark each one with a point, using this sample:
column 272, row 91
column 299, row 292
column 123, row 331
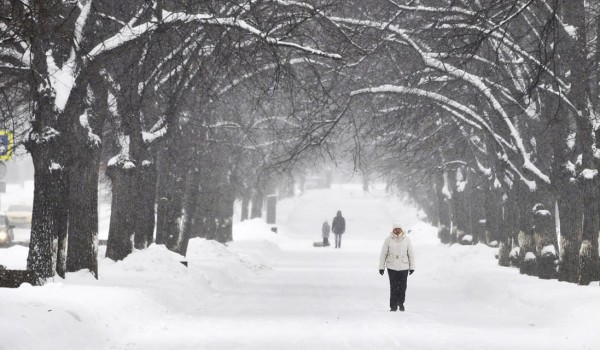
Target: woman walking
column 397, row 255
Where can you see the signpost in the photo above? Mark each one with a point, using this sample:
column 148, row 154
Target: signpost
column 6, row 144
column 2, row 183
column 6, row 150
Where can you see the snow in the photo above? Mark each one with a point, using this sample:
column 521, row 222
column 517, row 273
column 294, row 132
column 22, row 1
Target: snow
column 514, row 253
column 55, row 167
column 570, row 167
column 549, row 250
column 529, row 256
column 128, row 165
column 589, row 174
column 497, row 183
column 571, row 30
column 276, row 291
column 543, row 212
column 460, row 186
column 150, row 137
column 85, row 123
column 62, row 80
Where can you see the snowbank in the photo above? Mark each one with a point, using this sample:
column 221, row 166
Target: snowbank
column 81, row 312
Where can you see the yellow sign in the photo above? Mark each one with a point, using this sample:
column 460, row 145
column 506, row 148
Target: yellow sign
column 6, row 144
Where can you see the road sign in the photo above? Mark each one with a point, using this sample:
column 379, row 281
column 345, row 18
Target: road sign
column 6, row 144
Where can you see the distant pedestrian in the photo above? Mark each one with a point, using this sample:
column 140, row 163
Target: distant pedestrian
column 325, row 231
column 397, row 254
column 338, row 226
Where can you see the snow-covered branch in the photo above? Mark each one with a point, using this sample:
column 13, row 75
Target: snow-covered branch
column 478, row 83
column 265, row 68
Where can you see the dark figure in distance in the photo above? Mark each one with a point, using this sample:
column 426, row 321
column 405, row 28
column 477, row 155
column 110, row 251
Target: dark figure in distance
column 325, row 232
column 338, row 226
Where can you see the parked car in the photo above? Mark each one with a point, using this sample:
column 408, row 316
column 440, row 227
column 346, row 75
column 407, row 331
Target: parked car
column 19, row 215
column 6, row 231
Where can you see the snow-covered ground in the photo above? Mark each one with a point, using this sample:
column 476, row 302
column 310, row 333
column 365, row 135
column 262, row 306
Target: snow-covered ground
column 276, row 291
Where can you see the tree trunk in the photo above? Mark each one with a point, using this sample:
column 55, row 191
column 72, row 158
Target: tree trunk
column 190, row 206
column 461, row 203
column 544, row 238
column 245, row 206
column 225, row 215
column 133, row 173
column 170, row 192
column 444, row 221
column 432, row 211
column 510, row 217
column 588, row 252
column 577, row 64
column 50, row 154
column 529, row 265
column 569, row 214
column 477, row 213
column 83, row 214
column 173, row 164
column 122, row 223
column 493, row 214
column 146, row 199
column 366, row 180
column 47, row 245
column 83, row 193
column 257, row 204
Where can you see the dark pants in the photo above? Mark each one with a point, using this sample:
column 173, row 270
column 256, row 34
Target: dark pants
column 338, row 240
column 325, row 241
column 397, row 287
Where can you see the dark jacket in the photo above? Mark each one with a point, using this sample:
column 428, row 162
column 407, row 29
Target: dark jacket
column 338, row 226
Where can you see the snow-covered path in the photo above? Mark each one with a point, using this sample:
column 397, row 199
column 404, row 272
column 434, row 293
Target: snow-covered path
column 276, row 291
column 322, row 298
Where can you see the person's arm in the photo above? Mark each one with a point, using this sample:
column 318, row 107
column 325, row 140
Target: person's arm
column 411, row 256
column 383, row 255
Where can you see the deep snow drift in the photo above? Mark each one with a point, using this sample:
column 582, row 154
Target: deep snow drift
column 276, row 291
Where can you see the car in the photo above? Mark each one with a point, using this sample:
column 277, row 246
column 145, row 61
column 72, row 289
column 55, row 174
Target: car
column 6, row 231
column 19, row 215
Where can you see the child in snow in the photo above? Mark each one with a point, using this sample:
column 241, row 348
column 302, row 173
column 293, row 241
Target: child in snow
column 397, row 254
column 325, row 231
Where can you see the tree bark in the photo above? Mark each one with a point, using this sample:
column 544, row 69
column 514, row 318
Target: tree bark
column 225, row 217
column 50, row 154
column 257, row 204
column 122, row 223
column 190, row 206
column 86, row 141
column 245, row 206
column 47, row 245
column 444, row 215
column 545, row 240
column 493, row 214
column 170, row 193
column 462, row 205
column 477, row 212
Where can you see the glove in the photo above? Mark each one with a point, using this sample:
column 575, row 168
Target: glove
column 381, row 272
column 411, row 272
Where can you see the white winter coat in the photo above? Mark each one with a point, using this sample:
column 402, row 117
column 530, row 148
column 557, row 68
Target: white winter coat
column 397, row 253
